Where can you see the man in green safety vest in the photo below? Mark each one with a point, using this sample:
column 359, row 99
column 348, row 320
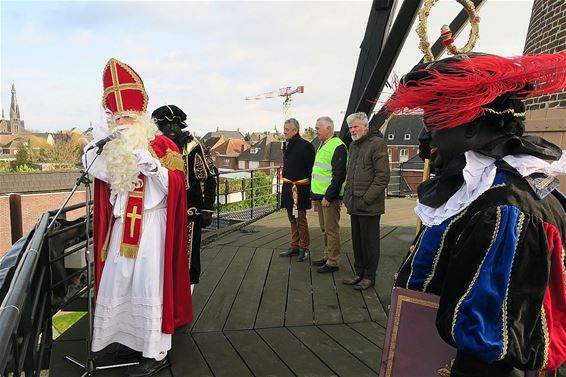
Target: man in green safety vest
column 327, row 190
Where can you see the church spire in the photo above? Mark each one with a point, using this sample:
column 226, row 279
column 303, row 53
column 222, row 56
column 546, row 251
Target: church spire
column 14, row 108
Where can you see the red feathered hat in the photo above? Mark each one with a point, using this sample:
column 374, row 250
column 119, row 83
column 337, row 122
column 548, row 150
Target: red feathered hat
column 123, row 89
column 456, row 90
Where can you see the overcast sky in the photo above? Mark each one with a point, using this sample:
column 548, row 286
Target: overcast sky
column 206, row 57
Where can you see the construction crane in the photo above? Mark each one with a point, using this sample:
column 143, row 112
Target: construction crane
column 283, row 92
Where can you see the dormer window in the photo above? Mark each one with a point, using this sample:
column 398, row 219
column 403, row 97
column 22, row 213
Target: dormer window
column 390, row 136
column 253, row 150
column 407, row 137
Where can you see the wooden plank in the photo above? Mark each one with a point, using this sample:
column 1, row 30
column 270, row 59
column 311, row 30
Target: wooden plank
column 370, row 330
column 220, row 355
column 352, row 305
column 185, row 356
column 243, row 312
column 270, row 235
column 294, row 353
column 59, row 366
column 359, row 346
column 373, row 304
column 334, row 355
column 325, row 301
column 299, row 296
column 394, row 248
column 271, row 311
column 215, row 313
column 210, row 279
column 257, row 355
column 207, row 255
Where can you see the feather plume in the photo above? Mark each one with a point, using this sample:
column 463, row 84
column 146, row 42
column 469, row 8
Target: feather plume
column 459, row 94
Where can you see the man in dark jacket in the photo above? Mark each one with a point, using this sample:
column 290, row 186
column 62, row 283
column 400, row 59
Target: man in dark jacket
column 298, row 159
column 366, row 180
column 327, row 190
column 199, row 168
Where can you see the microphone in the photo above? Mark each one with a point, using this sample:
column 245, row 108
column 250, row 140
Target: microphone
column 101, row 143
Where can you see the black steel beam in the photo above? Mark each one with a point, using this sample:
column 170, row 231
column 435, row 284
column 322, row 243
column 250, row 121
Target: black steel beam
column 384, row 64
column 379, row 22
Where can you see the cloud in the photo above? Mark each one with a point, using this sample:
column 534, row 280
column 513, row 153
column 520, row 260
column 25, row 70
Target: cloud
column 207, row 56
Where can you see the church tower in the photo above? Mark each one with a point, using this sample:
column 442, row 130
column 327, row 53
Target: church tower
column 15, row 124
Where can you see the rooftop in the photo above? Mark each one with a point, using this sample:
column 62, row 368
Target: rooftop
column 260, row 314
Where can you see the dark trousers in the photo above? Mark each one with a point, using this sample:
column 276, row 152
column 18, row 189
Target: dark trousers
column 194, row 235
column 365, row 242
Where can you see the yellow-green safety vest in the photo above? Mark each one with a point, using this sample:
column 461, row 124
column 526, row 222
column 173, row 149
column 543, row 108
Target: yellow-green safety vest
column 322, row 169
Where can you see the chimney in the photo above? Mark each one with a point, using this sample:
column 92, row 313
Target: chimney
column 242, row 148
column 217, row 129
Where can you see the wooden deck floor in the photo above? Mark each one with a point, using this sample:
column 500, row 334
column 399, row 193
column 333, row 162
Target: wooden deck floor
column 259, row 314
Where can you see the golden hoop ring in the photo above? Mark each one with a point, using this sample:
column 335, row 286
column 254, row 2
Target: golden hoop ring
column 446, row 33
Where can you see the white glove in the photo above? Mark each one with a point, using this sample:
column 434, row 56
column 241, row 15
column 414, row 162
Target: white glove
column 147, row 164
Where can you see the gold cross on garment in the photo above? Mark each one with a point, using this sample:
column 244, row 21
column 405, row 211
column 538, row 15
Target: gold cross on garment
column 134, row 215
column 117, row 87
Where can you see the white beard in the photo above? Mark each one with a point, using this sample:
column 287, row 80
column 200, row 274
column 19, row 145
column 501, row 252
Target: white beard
column 356, row 137
column 121, row 163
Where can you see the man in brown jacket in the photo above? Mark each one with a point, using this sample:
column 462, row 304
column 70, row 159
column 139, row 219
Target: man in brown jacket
column 366, row 180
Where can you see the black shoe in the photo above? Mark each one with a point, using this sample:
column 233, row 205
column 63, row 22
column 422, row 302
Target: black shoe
column 148, row 367
column 326, row 269
column 364, row 284
column 291, row 251
column 319, row 262
column 303, row 254
column 352, row 281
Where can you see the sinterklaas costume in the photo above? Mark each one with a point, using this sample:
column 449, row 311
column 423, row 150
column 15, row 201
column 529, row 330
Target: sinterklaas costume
column 140, row 238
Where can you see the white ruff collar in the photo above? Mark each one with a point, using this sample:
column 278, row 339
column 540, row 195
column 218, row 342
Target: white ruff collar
column 479, row 174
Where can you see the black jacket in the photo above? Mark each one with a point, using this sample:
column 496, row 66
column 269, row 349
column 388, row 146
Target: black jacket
column 298, row 160
column 199, row 168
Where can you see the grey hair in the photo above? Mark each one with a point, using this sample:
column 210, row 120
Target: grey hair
column 328, row 120
column 293, row 122
column 360, row 116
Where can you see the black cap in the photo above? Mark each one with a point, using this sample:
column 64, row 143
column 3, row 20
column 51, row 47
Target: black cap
column 169, row 114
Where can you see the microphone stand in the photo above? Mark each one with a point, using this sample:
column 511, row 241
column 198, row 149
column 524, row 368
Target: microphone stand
column 89, row 366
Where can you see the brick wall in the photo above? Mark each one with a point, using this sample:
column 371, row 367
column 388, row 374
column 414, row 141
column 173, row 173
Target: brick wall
column 32, row 206
column 546, row 115
column 547, row 34
column 5, row 228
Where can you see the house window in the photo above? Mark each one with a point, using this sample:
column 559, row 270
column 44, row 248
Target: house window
column 389, row 152
column 390, row 136
column 407, row 137
column 226, row 162
column 403, row 155
column 253, row 150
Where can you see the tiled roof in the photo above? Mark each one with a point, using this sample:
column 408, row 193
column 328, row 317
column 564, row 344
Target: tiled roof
column 414, row 163
column 404, row 130
column 231, row 147
column 212, row 142
column 37, row 182
column 227, row 135
column 267, row 149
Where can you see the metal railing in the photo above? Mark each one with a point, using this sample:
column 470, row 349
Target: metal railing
column 245, row 195
column 48, row 276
